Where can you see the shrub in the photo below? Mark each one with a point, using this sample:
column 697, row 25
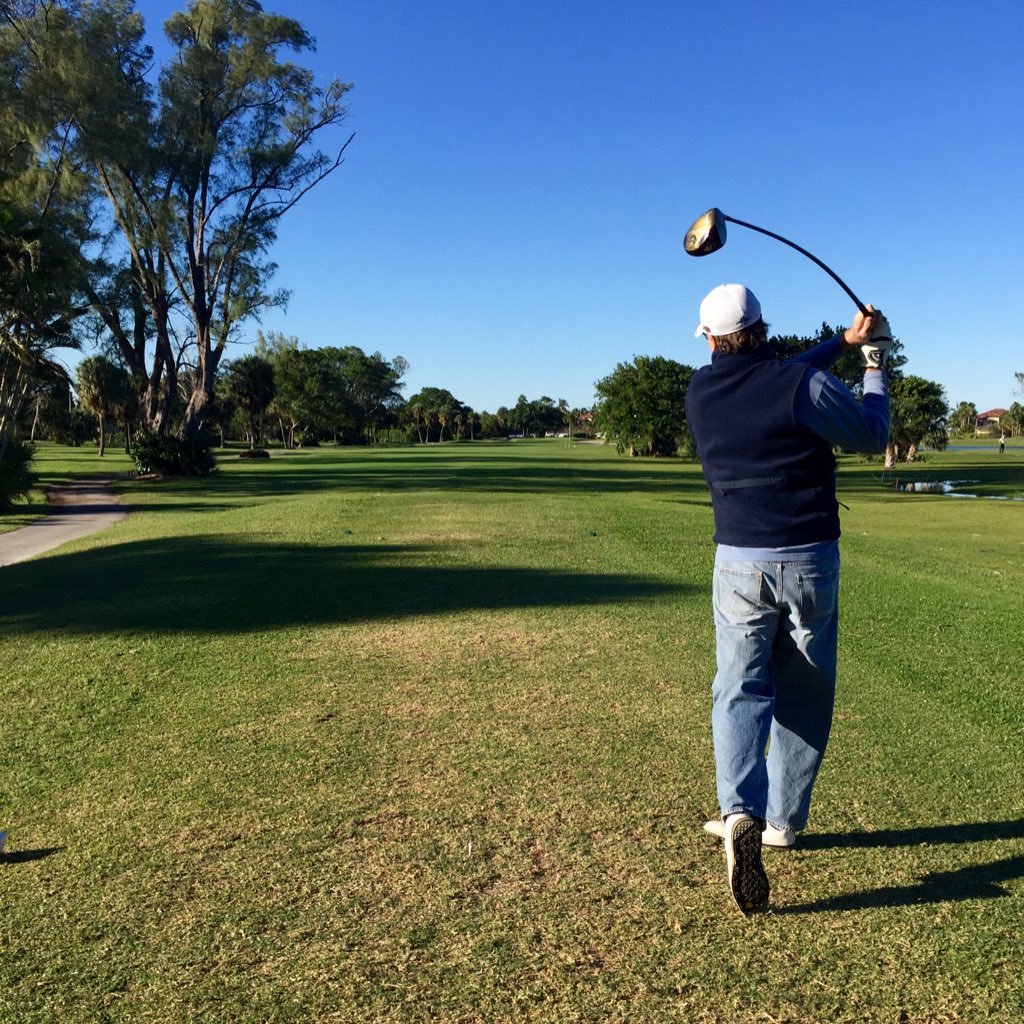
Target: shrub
column 398, row 435
column 72, row 428
column 172, row 456
column 16, row 472
column 688, row 447
column 254, row 453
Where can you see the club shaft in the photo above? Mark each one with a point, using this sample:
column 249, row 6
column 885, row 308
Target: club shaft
column 799, row 248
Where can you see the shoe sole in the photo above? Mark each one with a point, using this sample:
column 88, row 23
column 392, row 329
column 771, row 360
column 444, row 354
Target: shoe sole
column 747, row 880
column 715, row 827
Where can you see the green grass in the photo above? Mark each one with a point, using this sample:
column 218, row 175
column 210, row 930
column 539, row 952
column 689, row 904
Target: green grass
column 422, row 735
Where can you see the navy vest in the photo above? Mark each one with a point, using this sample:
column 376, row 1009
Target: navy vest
column 772, row 480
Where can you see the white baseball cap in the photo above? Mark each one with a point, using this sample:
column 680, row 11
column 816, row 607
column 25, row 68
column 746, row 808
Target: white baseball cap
column 727, row 309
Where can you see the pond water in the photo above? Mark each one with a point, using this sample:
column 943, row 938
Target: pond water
column 949, row 488
column 976, row 449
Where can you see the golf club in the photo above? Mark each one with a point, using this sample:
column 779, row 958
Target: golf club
column 707, row 234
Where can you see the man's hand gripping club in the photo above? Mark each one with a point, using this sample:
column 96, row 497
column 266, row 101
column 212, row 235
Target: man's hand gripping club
column 874, row 336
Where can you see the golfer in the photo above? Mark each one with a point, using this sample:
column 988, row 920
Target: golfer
column 764, row 431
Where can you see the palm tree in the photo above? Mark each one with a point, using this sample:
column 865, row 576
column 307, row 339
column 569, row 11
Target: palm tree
column 250, row 382
column 568, row 416
column 444, row 414
column 105, row 389
column 917, row 413
column 92, row 392
column 963, row 418
column 415, row 410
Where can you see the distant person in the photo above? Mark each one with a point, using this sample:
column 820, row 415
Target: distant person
column 1002, row 443
column 764, row 431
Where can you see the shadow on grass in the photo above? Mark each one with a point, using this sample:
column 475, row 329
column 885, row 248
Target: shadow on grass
column 27, row 856
column 215, row 585
column 976, row 881
column 971, row 832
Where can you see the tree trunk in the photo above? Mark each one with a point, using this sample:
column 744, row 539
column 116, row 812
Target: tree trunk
column 890, row 456
column 162, row 384
column 912, row 453
column 103, row 435
column 203, row 392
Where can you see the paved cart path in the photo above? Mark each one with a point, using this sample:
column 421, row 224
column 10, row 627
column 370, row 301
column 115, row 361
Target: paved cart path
column 79, row 508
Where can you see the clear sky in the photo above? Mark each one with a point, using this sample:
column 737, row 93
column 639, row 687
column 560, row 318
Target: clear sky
column 510, row 214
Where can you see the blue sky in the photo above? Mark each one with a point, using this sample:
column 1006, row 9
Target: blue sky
column 510, row 214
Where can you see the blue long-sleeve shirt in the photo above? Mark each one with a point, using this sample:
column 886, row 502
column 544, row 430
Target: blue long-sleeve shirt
column 825, row 405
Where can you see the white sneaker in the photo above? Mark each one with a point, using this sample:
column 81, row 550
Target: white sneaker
column 776, row 838
column 747, row 881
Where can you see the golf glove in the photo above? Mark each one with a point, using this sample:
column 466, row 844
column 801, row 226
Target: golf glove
column 875, row 351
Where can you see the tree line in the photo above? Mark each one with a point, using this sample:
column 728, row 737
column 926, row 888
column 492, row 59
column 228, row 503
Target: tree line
column 298, row 396
column 285, row 394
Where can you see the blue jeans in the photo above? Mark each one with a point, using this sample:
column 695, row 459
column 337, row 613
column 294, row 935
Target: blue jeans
column 777, row 627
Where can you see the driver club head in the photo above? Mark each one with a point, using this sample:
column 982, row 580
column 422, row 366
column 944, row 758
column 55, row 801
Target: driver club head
column 706, row 234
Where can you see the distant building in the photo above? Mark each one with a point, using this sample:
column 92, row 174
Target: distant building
column 988, row 422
